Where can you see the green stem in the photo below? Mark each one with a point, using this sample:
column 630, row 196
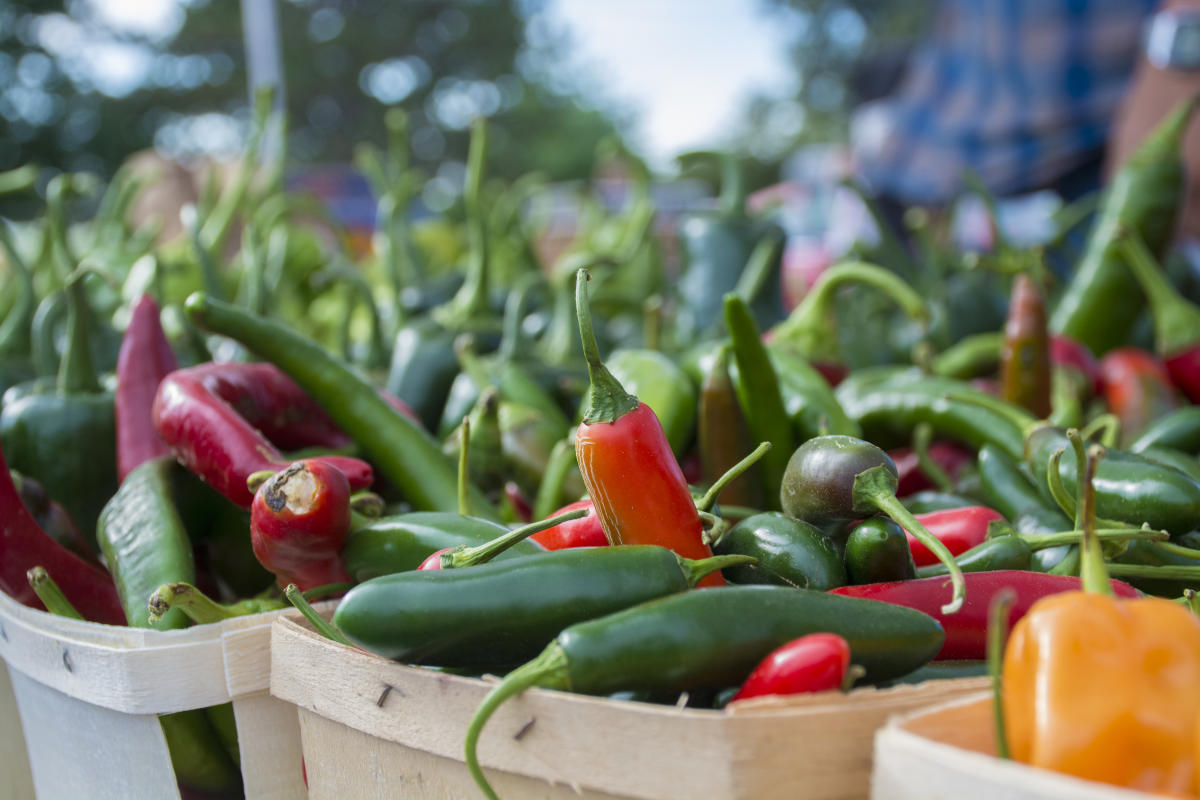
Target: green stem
column 697, row 570
column 15, row 338
column 77, row 372
column 1040, row 541
column 50, row 595
column 652, row 322
column 997, row 634
column 974, row 355
column 461, row 556
column 1108, row 426
column 214, row 230
column 1091, row 569
column 470, row 304
column 1058, row 491
column 757, row 274
column 464, row 480
column 202, row 609
column 549, row 670
column 1166, row 572
column 320, row 625
column 709, row 499
column 18, row 180
column 922, row 438
column 1176, row 319
column 1179, row 550
column 554, row 478
column 607, row 400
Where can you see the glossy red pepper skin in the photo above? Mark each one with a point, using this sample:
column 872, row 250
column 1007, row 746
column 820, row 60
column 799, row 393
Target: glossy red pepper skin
column 1066, row 352
column 814, row 663
column 959, row 529
column 227, row 421
column 299, row 521
column 24, row 545
column 951, row 457
column 583, row 532
column 434, row 560
column 1137, row 388
column 144, row 360
column 966, row 631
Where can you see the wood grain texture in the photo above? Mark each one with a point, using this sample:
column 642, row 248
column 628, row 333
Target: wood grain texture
column 944, row 753
column 405, row 723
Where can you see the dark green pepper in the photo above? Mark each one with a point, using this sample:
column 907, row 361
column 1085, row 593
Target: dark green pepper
column 877, row 552
column 1187, row 464
column 1179, row 430
column 788, row 552
column 1010, row 491
column 1148, row 554
column 998, row 552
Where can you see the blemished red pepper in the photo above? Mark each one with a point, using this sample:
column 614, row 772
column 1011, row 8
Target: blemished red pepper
column 299, row 521
column 951, row 457
column 637, row 486
column 24, row 545
column 1066, row 352
column 1176, row 319
column 1137, row 388
column 1025, row 361
column 52, row 518
column 226, row 422
column 144, row 360
column 817, row 662
column 966, row 631
column 586, row 531
column 959, row 529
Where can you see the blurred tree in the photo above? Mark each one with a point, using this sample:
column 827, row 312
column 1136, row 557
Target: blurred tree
column 83, row 85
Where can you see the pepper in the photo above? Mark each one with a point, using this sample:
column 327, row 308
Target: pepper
column 948, row 457
column 1066, row 353
column 1010, row 491
column 650, row 503
column 24, row 545
column 723, row 435
column 502, row 613
column 997, row 553
column 972, row 357
column 966, row 631
column 759, row 396
column 1102, row 688
column 472, row 555
column 583, row 532
column 787, row 552
column 64, row 436
column 1176, row 319
column 1102, row 301
column 224, row 420
column 818, row 662
column 1178, row 430
column 958, row 529
column 144, row 360
column 808, row 396
column 52, row 518
column 1025, row 362
column 660, row 383
column 1185, row 463
column 696, row 640
column 877, row 550
column 1137, row 389
column 838, row 479
column 423, row 361
column 405, row 454
column 16, row 363
column 299, row 521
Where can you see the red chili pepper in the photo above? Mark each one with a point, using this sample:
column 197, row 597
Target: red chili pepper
column 1025, row 362
column 145, row 359
column 1068, row 353
column 1176, row 319
column 52, row 518
column 966, row 631
column 1137, row 389
column 24, row 545
column 951, row 457
column 959, row 529
column 583, row 532
column 814, row 663
column 637, row 486
column 225, row 421
column 299, row 521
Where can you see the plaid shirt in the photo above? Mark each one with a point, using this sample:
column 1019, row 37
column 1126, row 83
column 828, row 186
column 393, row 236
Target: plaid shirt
column 1019, row 91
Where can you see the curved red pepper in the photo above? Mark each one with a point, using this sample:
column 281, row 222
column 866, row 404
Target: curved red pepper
column 814, row 663
column 24, row 545
column 966, row 631
column 959, row 529
column 632, row 477
column 1137, row 388
column 299, row 520
column 583, row 532
column 145, row 359
column 225, row 422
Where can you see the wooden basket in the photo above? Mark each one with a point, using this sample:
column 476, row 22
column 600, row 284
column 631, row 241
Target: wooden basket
column 947, row 753
column 88, row 696
column 375, row 728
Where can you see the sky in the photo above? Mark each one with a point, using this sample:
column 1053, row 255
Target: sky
column 684, row 66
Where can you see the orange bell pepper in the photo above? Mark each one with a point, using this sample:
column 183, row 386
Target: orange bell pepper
column 1103, row 688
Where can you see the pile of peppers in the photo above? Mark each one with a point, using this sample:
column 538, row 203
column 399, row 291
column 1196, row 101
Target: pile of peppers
column 628, row 471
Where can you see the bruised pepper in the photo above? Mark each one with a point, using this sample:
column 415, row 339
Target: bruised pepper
column 637, row 486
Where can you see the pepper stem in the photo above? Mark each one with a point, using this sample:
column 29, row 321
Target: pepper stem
column 974, row 355
column 696, row 570
column 875, row 487
column 1040, row 541
column 997, row 633
column 607, row 400
column 50, row 595
column 807, row 329
column 922, row 439
column 464, row 472
column 1091, row 570
column 77, row 372
column 319, row 623
column 15, row 330
column 458, row 557
column 709, row 499
column 199, row 607
column 1108, row 426
column 470, row 303
column 548, row 670
column 1176, row 320
column 757, row 274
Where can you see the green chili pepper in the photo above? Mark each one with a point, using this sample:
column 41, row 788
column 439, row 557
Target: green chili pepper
column 1179, row 430
column 711, row 639
column 1149, row 554
column 877, row 551
column 499, row 614
column 788, row 552
column 1184, row 462
column 808, row 398
column 1103, row 299
column 1011, row 492
column 929, row 500
column 999, row 552
column 16, row 363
